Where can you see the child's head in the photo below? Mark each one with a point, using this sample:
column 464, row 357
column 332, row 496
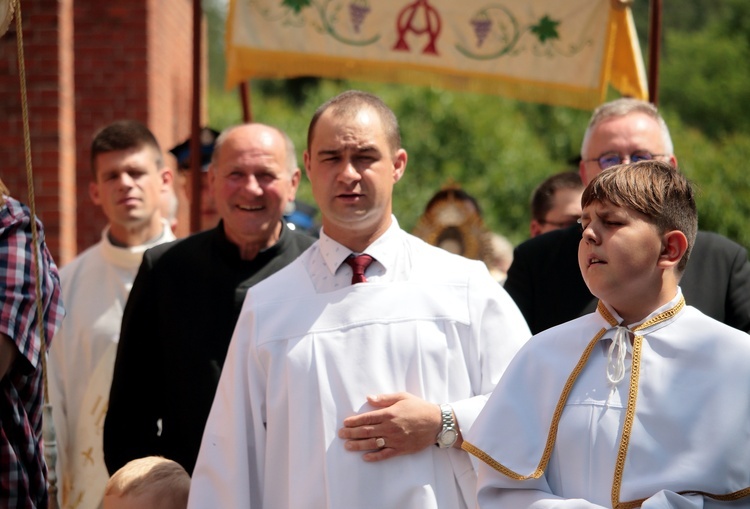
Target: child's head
column 655, row 189
column 148, row 483
column 640, row 223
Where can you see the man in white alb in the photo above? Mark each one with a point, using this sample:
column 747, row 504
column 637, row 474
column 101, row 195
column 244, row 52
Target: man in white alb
column 340, row 395
column 128, row 179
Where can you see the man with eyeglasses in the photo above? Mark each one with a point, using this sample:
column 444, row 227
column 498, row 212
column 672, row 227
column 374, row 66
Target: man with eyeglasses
column 545, row 280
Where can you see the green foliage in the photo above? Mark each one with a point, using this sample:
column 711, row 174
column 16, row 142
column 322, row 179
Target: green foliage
column 215, row 13
column 498, row 149
column 733, row 19
column 705, row 77
column 483, row 143
column 718, row 171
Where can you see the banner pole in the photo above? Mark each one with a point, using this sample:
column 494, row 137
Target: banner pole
column 195, row 128
column 247, row 113
column 654, row 45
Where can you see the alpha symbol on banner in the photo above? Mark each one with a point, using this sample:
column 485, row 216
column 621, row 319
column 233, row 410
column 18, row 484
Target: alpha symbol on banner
column 420, row 18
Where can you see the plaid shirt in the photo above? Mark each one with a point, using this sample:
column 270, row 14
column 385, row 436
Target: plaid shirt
column 23, row 471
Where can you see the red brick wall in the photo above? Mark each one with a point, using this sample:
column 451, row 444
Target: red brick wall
column 88, row 63
column 133, row 60
column 48, row 54
column 170, row 69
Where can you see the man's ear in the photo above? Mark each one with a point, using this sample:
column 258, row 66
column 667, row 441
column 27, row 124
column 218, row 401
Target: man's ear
column 296, row 176
column 674, row 245
column 167, row 177
column 94, row 193
column 306, row 160
column 399, row 164
column 210, row 178
column 535, row 228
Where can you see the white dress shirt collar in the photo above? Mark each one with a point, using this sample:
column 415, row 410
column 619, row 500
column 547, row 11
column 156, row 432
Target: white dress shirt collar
column 334, row 253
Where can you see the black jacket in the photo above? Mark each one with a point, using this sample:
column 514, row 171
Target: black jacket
column 546, row 282
column 176, row 328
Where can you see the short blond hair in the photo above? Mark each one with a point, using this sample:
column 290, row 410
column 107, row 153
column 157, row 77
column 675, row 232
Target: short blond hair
column 653, row 188
column 165, row 479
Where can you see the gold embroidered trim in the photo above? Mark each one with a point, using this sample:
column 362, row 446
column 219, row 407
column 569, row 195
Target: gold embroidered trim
column 602, row 309
column 483, row 456
column 666, row 315
column 552, row 435
column 627, row 427
column 729, row 497
column 630, row 417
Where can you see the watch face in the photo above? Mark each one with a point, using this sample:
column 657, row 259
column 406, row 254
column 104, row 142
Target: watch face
column 448, row 437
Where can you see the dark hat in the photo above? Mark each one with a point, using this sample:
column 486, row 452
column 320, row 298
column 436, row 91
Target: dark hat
column 182, row 151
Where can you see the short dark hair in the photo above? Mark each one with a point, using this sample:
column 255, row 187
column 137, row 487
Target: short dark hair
column 349, row 103
column 655, row 189
column 543, row 195
column 123, row 135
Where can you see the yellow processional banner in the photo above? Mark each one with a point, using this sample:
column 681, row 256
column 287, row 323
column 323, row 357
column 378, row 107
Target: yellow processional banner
column 564, row 52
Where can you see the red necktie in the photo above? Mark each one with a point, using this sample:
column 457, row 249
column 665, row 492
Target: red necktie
column 358, row 264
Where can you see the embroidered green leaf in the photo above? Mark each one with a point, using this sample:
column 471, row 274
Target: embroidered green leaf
column 296, row 5
column 546, row 29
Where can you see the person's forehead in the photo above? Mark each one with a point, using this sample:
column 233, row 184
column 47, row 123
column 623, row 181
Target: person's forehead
column 359, row 125
column 633, row 128
column 139, row 156
column 565, row 197
column 602, row 207
column 252, row 140
column 254, row 135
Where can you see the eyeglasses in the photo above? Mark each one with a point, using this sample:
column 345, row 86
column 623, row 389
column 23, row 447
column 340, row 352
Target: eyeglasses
column 612, row 159
column 561, row 224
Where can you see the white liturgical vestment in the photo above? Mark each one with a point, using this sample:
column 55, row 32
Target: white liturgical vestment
column 95, row 287
column 308, row 349
column 673, row 433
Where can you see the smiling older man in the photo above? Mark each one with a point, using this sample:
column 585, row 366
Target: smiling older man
column 186, row 298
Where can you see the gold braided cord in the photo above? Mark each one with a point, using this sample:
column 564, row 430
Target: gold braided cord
column 486, row 458
column 602, row 309
column 666, row 315
column 627, row 427
column 30, row 186
column 729, row 497
column 48, row 431
column 552, row 434
column 630, row 417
